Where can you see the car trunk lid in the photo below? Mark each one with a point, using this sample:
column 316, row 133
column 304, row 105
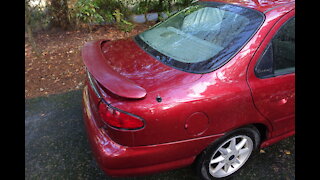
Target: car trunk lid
column 127, row 71
column 106, row 76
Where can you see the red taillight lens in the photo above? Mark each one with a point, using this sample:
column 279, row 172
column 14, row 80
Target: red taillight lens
column 118, row 119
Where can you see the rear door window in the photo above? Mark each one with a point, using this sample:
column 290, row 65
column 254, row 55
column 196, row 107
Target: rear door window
column 279, row 56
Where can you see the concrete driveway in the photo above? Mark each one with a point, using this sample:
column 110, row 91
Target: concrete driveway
column 56, row 147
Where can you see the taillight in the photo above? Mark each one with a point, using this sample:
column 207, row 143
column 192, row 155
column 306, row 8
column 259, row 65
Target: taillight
column 119, row 119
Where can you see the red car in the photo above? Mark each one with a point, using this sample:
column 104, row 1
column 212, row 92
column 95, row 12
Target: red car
column 208, row 86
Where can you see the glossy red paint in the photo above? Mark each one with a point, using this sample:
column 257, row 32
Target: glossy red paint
column 274, row 97
column 118, row 160
column 94, row 61
column 142, row 69
column 260, row 5
column 223, row 100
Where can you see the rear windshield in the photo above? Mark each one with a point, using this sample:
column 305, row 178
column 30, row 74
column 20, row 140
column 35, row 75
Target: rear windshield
column 202, row 37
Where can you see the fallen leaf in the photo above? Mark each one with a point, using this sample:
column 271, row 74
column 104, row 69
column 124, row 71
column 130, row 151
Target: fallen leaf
column 287, row 152
column 262, row 151
column 276, row 169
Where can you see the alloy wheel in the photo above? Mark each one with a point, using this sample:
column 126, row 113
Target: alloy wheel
column 230, row 156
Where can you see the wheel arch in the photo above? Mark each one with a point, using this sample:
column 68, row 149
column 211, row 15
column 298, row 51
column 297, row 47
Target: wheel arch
column 263, row 129
column 260, row 135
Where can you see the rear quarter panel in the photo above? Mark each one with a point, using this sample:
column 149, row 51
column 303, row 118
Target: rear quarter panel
column 223, row 95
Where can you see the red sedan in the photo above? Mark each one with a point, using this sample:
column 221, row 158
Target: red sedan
column 208, row 86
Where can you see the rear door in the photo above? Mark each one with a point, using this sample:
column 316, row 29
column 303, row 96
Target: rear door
column 271, row 76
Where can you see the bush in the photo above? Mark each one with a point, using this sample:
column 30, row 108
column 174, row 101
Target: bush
column 98, row 11
column 86, row 11
column 146, row 6
column 122, row 24
column 108, row 7
column 181, row 4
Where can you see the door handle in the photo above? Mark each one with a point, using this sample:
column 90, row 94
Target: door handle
column 283, row 101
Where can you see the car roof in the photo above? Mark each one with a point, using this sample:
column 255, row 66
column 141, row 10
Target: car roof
column 260, row 5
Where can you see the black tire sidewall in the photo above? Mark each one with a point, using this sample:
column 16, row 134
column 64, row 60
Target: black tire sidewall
column 203, row 160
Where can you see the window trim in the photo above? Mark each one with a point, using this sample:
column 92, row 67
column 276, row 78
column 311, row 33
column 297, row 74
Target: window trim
column 270, row 44
column 260, row 60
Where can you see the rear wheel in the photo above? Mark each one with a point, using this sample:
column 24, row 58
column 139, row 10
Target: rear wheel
column 228, row 154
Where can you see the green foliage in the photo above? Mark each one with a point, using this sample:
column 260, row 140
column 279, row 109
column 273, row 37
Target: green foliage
column 86, row 11
column 166, row 5
column 154, row 6
column 107, row 8
column 184, row 3
column 118, row 15
column 125, row 26
column 122, row 24
column 100, row 11
column 146, row 6
column 141, row 7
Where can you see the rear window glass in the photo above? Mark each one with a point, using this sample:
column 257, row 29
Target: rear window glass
column 202, row 37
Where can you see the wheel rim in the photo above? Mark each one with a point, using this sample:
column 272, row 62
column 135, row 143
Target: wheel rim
column 230, row 156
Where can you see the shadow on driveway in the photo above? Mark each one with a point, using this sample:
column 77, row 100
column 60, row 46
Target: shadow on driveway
column 56, row 147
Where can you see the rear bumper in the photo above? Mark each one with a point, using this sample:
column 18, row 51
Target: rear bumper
column 117, row 160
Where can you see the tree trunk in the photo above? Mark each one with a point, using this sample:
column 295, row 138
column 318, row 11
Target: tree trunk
column 29, row 29
column 31, row 40
column 59, row 12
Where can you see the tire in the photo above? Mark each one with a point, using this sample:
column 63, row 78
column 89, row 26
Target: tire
column 227, row 155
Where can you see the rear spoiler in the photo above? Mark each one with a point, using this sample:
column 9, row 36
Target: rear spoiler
column 105, row 75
